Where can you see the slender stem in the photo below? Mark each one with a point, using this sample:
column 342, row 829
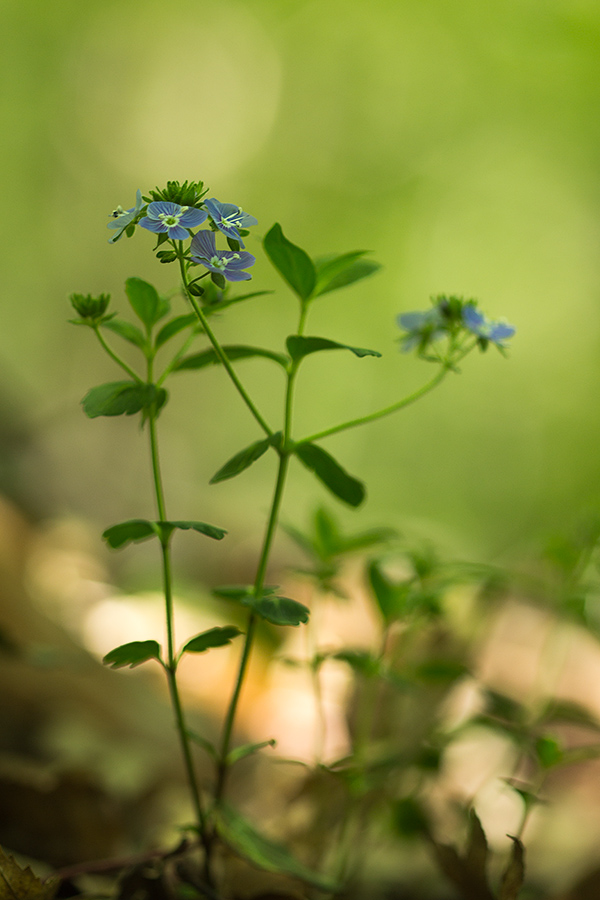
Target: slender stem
column 258, row 586
column 386, row 411
column 120, row 362
column 219, row 350
column 171, row 663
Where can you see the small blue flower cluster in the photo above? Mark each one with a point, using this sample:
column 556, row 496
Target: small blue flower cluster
column 164, row 217
column 455, row 319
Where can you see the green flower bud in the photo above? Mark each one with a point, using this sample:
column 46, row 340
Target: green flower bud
column 89, row 307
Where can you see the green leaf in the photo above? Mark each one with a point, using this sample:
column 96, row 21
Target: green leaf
column 334, row 272
column 115, row 399
column 327, row 470
column 141, row 529
column 232, row 351
column 277, row 610
column 127, row 532
column 293, row 264
column 440, row 671
column 263, row 853
column 248, row 749
column 210, row 531
column 234, row 592
column 174, row 327
column 549, row 751
column 360, row 661
column 244, row 458
column 126, row 330
column 133, row 654
column 514, row 874
column 409, row 818
column 390, row 597
column 214, row 637
column 205, row 744
column 299, row 346
column 145, row 301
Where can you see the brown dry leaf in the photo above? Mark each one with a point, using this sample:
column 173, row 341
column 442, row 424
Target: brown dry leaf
column 21, row 884
column 512, row 880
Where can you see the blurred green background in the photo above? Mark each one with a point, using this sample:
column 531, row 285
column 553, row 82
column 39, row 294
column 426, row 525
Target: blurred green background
column 457, row 140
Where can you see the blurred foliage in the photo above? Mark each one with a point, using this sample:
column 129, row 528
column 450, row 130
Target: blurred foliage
column 457, row 141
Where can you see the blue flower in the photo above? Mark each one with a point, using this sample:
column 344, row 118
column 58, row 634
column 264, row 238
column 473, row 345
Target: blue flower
column 163, row 215
column 229, row 218
column 122, row 218
column 224, row 262
column 421, row 328
column 484, row 328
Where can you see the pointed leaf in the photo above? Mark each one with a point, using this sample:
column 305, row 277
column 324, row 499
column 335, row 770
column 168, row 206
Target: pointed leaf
column 292, row 263
column 17, row 883
column 277, row 610
column 514, row 874
column 244, row 458
column 173, row 327
column 132, row 654
column 233, row 592
column 248, row 749
column 115, row 399
column 210, row 531
column 334, row 272
column 232, row 351
column 214, row 637
column 477, row 848
column 145, row 301
column 126, row 330
column 126, row 532
column 327, row 470
column 391, row 598
column 299, row 346
column 241, row 836
column 205, row 744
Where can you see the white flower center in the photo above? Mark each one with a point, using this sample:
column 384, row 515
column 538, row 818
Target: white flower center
column 170, row 219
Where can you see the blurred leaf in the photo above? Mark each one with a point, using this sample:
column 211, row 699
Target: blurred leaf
column 334, row 272
column 292, row 263
column 243, row 839
column 204, row 743
column 247, row 750
column 467, row 872
column 299, row 346
column 141, row 529
column 327, row 470
column 17, row 883
column 210, row 531
column 277, row 610
column 514, row 874
column 173, row 327
column 409, row 818
column 568, row 712
column 145, row 301
column 132, row 654
column 213, row 637
column 126, row 330
column 125, row 532
column 245, row 458
column 360, row 661
column 549, row 751
column 390, row 597
column 117, row 398
column 232, row 351
column 440, row 671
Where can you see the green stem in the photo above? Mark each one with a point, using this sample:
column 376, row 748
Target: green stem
column 115, row 357
column 219, row 350
column 171, row 663
column 386, row 411
column 258, row 586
